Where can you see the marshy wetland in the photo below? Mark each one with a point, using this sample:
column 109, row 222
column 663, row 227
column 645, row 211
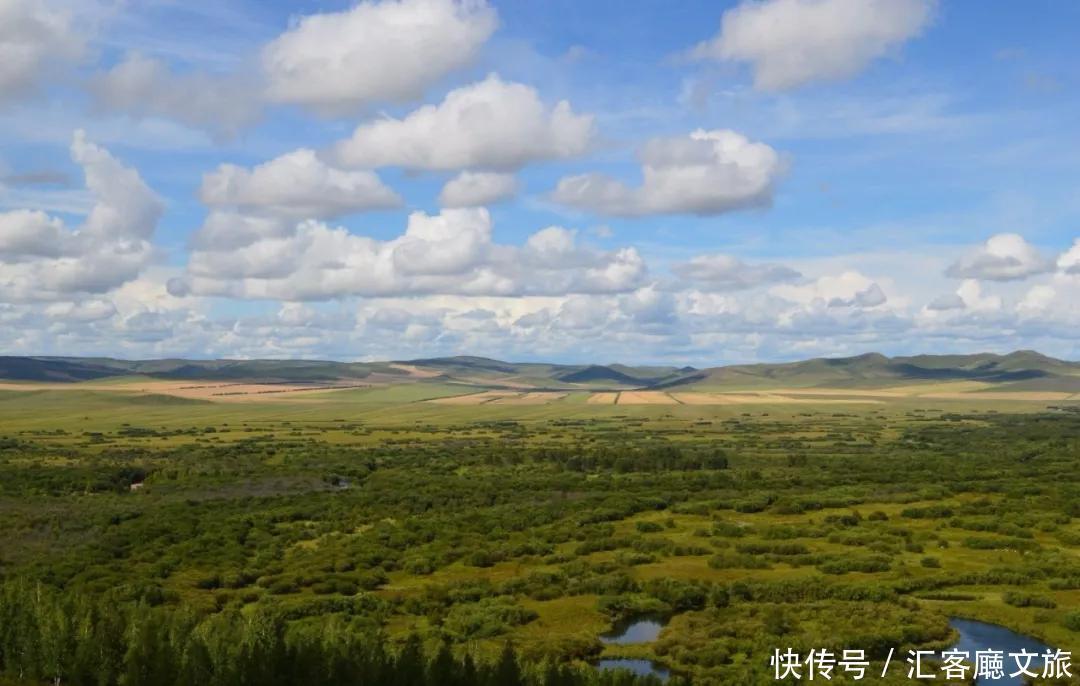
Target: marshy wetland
column 150, row 539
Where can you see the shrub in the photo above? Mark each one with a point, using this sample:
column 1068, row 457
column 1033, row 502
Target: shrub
column 487, row 618
column 420, row 566
column 737, row 561
column 1072, row 621
column 728, row 529
column 1027, row 600
column 868, row 564
column 753, row 504
column 959, row 597
column 772, row 549
column 986, row 543
column 928, row 512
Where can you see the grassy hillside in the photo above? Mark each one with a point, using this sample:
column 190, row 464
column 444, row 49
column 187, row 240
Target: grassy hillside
column 1019, row 371
column 1023, row 370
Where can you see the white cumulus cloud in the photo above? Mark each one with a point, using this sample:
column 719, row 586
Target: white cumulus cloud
column 790, row 43
column 31, row 233
column 1004, row 257
column 968, row 296
column 472, row 189
column 147, row 87
column 1069, row 261
column 388, row 50
column 35, row 37
column 492, row 124
column 849, row 289
column 974, row 299
column 449, row 253
column 297, row 185
column 705, row 173
column 43, row 259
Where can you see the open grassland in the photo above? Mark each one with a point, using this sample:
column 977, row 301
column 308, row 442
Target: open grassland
column 603, row 398
column 403, row 383
column 76, row 410
column 483, row 398
column 645, row 398
column 792, row 517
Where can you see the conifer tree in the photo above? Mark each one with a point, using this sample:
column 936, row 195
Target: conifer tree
column 469, row 674
column 410, row 663
column 444, row 670
column 147, row 660
column 507, row 671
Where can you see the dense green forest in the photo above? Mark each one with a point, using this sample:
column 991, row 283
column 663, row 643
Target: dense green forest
column 88, row 640
column 343, row 552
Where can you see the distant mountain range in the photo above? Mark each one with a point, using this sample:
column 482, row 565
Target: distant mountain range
column 1021, row 371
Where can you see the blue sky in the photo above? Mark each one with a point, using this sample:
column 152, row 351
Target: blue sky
column 603, row 181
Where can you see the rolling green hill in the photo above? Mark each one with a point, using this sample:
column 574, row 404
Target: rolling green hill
column 1021, row 370
column 1017, row 371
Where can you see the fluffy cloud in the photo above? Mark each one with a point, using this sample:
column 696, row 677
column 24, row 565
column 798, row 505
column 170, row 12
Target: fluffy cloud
column 33, row 38
column 452, row 243
column 847, row 290
column 790, row 43
column 42, row 259
column 944, row 303
column 126, row 208
column 1069, row 261
column 1038, row 299
column 974, row 299
column 297, row 185
column 705, row 173
column 449, row 253
column 969, row 296
column 695, row 326
column 1052, row 307
column 472, row 189
column 492, row 124
column 1004, row 257
column 147, row 87
column 324, row 62
column 91, row 310
column 137, row 319
column 31, row 233
column 390, row 50
column 225, row 230
column 727, row 273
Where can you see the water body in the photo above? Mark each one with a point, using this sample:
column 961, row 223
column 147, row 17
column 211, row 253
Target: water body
column 639, row 667
column 640, row 629
column 976, row 636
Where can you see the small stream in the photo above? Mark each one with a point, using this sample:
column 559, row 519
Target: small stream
column 976, row 636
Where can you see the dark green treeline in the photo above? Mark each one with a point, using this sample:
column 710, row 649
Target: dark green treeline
column 48, row 636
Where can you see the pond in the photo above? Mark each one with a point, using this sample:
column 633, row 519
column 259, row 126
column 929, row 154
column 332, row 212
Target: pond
column 638, row 667
column 976, row 636
column 639, row 629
